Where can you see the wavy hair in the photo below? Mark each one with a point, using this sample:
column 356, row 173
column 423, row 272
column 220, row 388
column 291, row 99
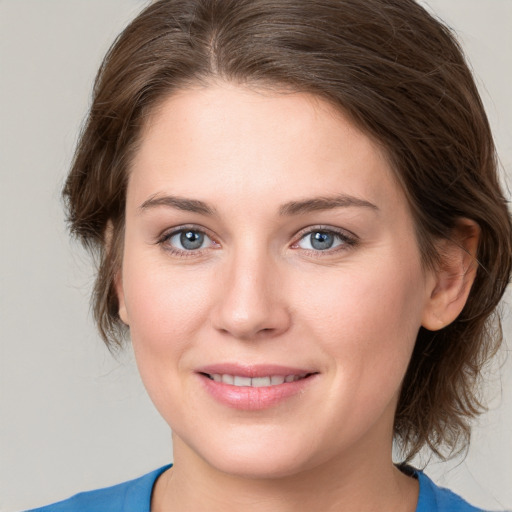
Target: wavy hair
column 400, row 75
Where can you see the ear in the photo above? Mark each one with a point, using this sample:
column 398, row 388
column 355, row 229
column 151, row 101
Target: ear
column 454, row 275
column 118, row 277
column 118, row 283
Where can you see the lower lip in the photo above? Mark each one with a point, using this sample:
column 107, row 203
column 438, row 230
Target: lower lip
column 254, row 399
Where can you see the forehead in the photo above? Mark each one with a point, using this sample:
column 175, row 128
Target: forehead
column 225, row 139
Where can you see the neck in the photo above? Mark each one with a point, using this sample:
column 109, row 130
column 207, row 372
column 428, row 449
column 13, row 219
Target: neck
column 353, row 483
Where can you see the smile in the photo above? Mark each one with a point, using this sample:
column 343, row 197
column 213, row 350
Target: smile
column 255, row 382
column 255, row 387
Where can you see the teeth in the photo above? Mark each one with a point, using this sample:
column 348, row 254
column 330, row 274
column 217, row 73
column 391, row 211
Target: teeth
column 228, row 379
column 242, row 381
column 255, row 382
column 260, row 382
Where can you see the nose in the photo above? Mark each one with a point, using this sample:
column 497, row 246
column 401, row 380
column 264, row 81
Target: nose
column 251, row 303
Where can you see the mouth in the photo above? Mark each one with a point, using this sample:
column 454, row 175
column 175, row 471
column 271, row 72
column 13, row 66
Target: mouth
column 255, row 382
column 255, row 387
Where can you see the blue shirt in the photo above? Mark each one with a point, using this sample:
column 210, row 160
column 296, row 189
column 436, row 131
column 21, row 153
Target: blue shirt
column 135, row 496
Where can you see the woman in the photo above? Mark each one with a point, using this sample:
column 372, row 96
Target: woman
column 301, row 228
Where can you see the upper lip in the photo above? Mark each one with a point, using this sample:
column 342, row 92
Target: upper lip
column 258, row 370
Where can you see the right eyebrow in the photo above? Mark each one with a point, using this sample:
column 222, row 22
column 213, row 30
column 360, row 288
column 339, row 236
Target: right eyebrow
column 179, row 203
column 324, row 203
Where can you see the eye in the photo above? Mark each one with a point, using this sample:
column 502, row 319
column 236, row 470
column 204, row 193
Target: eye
column 187, row 240
column 324, row 240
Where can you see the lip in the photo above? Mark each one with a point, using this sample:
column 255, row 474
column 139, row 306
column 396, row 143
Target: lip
column 259, row 370
column 254, row 398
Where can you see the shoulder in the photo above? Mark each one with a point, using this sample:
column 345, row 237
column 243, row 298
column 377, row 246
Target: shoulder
column 438, row 499
column 131, row 496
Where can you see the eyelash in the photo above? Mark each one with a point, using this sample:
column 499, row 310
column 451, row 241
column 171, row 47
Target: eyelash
column 348, row 240
column 164, row 239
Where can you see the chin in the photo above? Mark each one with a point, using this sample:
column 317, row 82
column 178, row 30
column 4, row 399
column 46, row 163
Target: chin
column 260, row 467
column 257, row 457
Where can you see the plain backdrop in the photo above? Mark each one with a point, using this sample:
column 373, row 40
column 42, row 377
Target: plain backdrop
column 71, row 416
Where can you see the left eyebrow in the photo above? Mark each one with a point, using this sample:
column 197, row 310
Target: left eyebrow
column 179, row 203
column 324, row 203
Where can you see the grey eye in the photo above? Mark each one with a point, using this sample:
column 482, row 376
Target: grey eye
column 189, row 240
column 320, row 240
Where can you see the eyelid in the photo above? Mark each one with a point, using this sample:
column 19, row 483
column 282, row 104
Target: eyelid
column 170, row 232
column 350, row 238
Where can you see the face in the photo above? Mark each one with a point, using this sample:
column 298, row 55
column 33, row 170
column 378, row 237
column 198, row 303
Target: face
column 271, row 281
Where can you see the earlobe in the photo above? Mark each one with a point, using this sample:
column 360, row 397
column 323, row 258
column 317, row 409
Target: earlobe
column 454, row 275
column 123, row 315
column 118, row 277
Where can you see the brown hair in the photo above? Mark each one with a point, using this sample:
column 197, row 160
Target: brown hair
column 399, row 74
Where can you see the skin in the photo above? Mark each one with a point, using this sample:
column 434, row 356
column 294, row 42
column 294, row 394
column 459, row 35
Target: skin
column 257, row 292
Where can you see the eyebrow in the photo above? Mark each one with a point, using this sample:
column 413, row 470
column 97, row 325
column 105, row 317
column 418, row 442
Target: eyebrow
column 287, row 209
column 179, row 203
column 324, row 203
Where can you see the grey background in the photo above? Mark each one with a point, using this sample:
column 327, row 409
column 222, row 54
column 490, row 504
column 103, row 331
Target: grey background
column 71, row 416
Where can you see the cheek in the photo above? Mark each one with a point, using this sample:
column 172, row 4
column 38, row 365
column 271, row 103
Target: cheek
column 162, row 304
column 166, row 311
column 368, row 320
